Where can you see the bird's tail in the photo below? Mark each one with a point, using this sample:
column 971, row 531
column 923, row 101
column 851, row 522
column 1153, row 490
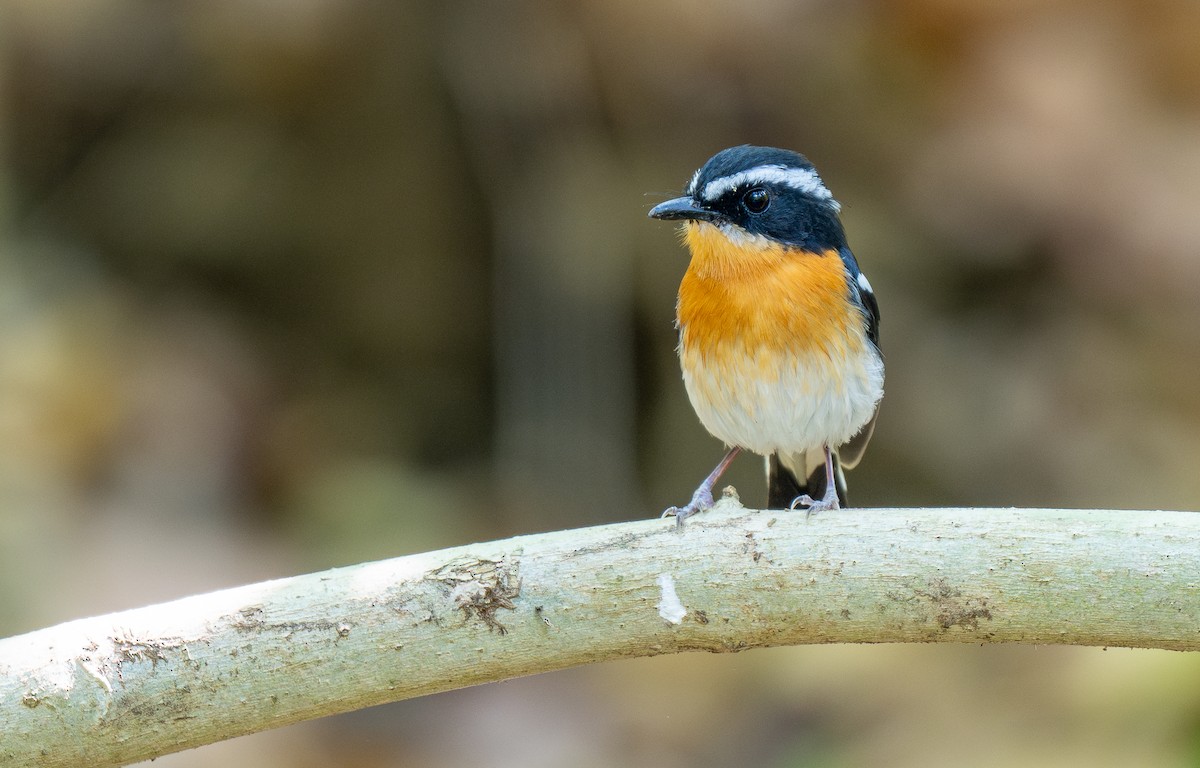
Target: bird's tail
column 784, row 471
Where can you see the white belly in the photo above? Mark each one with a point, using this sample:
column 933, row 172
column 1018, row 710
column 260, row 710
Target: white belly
column 794, row 402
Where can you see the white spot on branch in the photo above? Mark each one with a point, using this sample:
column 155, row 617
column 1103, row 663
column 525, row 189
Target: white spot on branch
column 670, row 607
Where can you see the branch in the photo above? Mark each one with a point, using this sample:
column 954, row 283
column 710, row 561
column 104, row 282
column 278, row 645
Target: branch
column 137, row 684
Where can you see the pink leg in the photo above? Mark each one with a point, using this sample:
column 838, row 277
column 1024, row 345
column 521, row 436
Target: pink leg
column 702, row 499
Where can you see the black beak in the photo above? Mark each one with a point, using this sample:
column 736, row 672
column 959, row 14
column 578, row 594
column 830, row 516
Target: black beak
column 682, row 208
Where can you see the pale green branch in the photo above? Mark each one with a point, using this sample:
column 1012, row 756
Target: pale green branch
column 129, row 686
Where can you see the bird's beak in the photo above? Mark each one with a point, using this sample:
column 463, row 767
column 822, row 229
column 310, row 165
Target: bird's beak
column 682, row 208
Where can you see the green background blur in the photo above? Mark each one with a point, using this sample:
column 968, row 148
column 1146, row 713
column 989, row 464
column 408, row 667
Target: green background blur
column 287, row 285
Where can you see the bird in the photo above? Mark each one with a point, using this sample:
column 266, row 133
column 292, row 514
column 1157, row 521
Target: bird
column 778, row 326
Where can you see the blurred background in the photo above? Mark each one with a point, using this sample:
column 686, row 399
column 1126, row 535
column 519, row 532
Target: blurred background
column 289, row 285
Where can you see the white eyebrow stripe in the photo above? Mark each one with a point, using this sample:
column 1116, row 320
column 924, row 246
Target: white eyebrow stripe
column 802, row 179
column 691, row 187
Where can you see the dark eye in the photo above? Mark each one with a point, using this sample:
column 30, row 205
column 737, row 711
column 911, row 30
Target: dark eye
column 756, row 200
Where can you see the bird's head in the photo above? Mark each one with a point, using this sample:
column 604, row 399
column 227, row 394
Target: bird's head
column 751, row 203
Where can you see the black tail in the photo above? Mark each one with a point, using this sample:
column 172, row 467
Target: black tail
column 783, row 487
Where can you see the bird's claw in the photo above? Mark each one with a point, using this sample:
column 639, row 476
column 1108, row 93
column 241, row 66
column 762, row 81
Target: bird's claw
column 812, row 506
column 702, row 499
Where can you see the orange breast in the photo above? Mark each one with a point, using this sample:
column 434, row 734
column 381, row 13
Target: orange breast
column 757, row 299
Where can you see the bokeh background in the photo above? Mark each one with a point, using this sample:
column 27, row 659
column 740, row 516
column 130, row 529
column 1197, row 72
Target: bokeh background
column 288, row 285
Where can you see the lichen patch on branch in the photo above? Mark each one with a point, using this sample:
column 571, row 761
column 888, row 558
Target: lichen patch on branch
column 953, row 608
column 481, row 587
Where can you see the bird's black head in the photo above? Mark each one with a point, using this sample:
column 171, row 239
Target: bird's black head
column 761, row 191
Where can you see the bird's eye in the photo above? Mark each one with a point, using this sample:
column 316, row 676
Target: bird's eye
column 756, row 200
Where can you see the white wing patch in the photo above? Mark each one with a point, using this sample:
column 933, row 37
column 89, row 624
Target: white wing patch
column 865, row 284
column 803, row 179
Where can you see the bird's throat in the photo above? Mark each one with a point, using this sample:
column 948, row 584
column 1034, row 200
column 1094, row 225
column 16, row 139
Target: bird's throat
column 759, row 294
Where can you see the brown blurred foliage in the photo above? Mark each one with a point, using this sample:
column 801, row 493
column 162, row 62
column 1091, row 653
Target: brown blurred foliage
column 288, row 285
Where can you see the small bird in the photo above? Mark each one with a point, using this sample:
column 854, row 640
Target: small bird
column 778, row 327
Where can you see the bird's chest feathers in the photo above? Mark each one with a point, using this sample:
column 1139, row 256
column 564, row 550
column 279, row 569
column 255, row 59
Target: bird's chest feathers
column 764, row 301
column 774, row 351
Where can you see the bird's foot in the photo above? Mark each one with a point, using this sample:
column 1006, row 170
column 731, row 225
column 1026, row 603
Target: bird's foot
column 702, row 499
column 812, row 506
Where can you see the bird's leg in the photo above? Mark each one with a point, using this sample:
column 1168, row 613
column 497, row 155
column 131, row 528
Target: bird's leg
column 702, row 499
column 830, row 499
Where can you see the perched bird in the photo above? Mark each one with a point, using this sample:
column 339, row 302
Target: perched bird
column 778, row 327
